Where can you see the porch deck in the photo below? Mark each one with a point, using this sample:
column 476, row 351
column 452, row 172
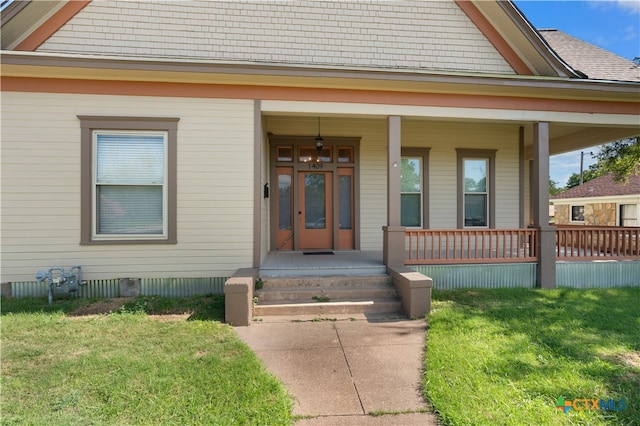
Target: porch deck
column 297, row 263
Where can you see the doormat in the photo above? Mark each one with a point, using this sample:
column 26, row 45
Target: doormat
column 317, row 252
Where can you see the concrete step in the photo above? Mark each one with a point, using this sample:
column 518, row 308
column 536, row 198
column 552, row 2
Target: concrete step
column 321, row 271
column 326, row 295
column 366, row 306
column 325, row 281
column 336, row 293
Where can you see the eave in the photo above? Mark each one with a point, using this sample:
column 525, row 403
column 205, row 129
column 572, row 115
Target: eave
column 522, row 38
column 76, row 67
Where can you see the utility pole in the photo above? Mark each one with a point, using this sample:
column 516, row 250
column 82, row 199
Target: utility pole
column 581, row 165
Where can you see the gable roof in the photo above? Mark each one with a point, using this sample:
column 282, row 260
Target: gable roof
column 388, row 35
column 595, row 62
column 603, row 186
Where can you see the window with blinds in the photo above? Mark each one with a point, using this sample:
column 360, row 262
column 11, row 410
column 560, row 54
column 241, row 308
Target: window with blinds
column 130, row 191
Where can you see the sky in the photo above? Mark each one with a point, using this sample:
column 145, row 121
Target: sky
column 613, row 25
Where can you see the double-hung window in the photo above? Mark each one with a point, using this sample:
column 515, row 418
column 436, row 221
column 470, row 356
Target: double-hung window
column 129, row 182
column 476, row 195
column 413, row 187
column 476, row 188
column 411, row 192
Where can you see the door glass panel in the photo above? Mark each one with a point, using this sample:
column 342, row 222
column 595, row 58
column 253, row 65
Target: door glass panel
column 345, row 155
column 314, row 201
column 311, row 155
column 344, row 183
column 284, row 202
column 285, row 153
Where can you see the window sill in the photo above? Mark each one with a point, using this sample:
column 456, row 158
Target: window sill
column 126, row 242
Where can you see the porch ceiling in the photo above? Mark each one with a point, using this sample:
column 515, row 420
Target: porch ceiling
column 571, row 137
column 563, row 137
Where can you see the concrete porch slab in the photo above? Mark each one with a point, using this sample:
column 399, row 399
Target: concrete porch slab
column 296, row 263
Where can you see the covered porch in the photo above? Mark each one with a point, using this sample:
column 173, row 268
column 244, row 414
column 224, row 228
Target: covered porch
column 514, row 227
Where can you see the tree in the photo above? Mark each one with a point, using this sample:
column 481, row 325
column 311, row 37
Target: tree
column 410, row 175
column 620, row 158
column 553, row 187
column 591, row 173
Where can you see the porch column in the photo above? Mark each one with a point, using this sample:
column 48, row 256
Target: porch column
column 393, row 170
column 257, row 183
column 393, row 251
column 546, row 271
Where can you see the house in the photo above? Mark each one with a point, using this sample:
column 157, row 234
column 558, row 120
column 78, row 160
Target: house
column 182, row 141
column 600, row 202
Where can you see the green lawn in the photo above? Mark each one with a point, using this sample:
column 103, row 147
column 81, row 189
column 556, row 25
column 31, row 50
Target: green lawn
column 494, row 357
column 505, row 357
column 130, row 368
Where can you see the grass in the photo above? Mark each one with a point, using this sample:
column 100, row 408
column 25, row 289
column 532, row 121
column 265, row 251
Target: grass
column 504, row 357
column 61, row 365
column 494, row 357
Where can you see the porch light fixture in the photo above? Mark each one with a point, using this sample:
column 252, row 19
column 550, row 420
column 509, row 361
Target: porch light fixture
column 319, row 139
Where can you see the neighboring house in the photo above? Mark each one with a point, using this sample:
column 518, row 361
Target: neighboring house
column 180, row 139
column 599, row 202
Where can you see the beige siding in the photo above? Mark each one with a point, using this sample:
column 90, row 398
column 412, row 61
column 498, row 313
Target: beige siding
column 428, row 35
column 443, row 139
column 41, row 187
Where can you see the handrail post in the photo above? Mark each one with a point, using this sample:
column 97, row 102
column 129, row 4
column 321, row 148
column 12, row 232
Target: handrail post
column 546, row 274
column 393, row 245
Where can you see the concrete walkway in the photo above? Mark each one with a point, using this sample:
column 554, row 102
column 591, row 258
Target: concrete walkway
column 340, row 370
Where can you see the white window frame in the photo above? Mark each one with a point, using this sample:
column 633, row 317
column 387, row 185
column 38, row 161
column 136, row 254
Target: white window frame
column 94, row 187
column 571, row 213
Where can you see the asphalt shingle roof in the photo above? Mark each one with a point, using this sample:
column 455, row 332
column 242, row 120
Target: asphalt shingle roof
column 602, row 186
column 596, row 63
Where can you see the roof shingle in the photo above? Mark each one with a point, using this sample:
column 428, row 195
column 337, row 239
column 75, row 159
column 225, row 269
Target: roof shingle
column 596, row 63
column 602, row 186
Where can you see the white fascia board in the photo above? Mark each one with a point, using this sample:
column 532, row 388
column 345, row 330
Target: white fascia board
column 619, row 199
